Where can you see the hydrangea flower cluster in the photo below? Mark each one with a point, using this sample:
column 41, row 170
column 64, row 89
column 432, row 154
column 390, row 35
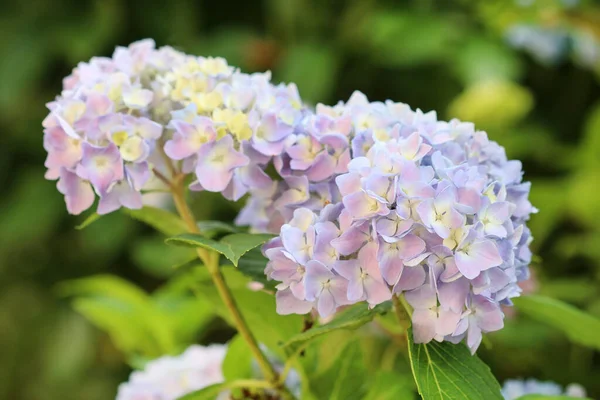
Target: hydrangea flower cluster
column 514, row 389
column 427, row 208
column 169, row 378
column 119, row 118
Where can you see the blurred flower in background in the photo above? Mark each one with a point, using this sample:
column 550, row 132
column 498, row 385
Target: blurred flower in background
column 513, row 389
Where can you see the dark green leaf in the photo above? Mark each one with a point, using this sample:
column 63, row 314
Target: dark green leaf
column 231, row 246
column 253, row 266
column 195, row 240
column 448, row 371
column 580, row 327
column 163, row 221
column 212, row 228
column 352, row 318
column 241, row 243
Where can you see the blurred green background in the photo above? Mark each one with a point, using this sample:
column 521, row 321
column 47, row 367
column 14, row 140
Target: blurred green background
column 526, row 71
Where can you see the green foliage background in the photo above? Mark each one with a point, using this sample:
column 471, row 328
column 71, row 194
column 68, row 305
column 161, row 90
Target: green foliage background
column 449, row 56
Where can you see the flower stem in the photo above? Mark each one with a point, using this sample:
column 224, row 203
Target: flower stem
column 402, row 312
column 211, row 261
column 250, row 384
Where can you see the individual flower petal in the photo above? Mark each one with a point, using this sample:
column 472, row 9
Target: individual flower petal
column 79, row 195
column 216, row 162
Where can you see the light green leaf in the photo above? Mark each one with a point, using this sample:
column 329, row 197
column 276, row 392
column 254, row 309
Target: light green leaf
column 258, row 308
column 163, row 221
column 212, row 391
column 187, row 315
column 389, row 385
column 122, row 322
column 408, row 39
column 238, row 361
column 446, row 371
column 352, row 318
column 88, row 221
column 231, row 246
column 580, row 327
column 582, row 197
column 573, row 290
column 208, row 393
column 345, row 379
column 547, row 397
column 105, row 286
column 494, row 105
column 125, row 311
column 481, row 59
column 549, row 195
column 152, row 255
column 312, row 67
column 590, row 145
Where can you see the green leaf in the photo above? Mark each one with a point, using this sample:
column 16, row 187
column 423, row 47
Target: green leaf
column 187, row 315
column 580, row 327
column 195, row 240
column 582, row 197
column 125, row 311
column 312, row 67
column 590, row 145
column 88, row 221
column 152, row 255
column 207, row 393
column 253, row 266
column 574, row 290
column 231, row 246
column 238, row 361
column 547, row 397
column 495, row 105
column 258, row 308
column 345, row 379
column 352, row 318
column 449, row 371
column 389, row 385
column 212, row 391
column 163, row 221
column 406, row 39
column 210, row 229
column 481, row 59
column 241, row 243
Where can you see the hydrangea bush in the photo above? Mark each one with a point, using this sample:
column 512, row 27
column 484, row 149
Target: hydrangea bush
column 360, row 208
